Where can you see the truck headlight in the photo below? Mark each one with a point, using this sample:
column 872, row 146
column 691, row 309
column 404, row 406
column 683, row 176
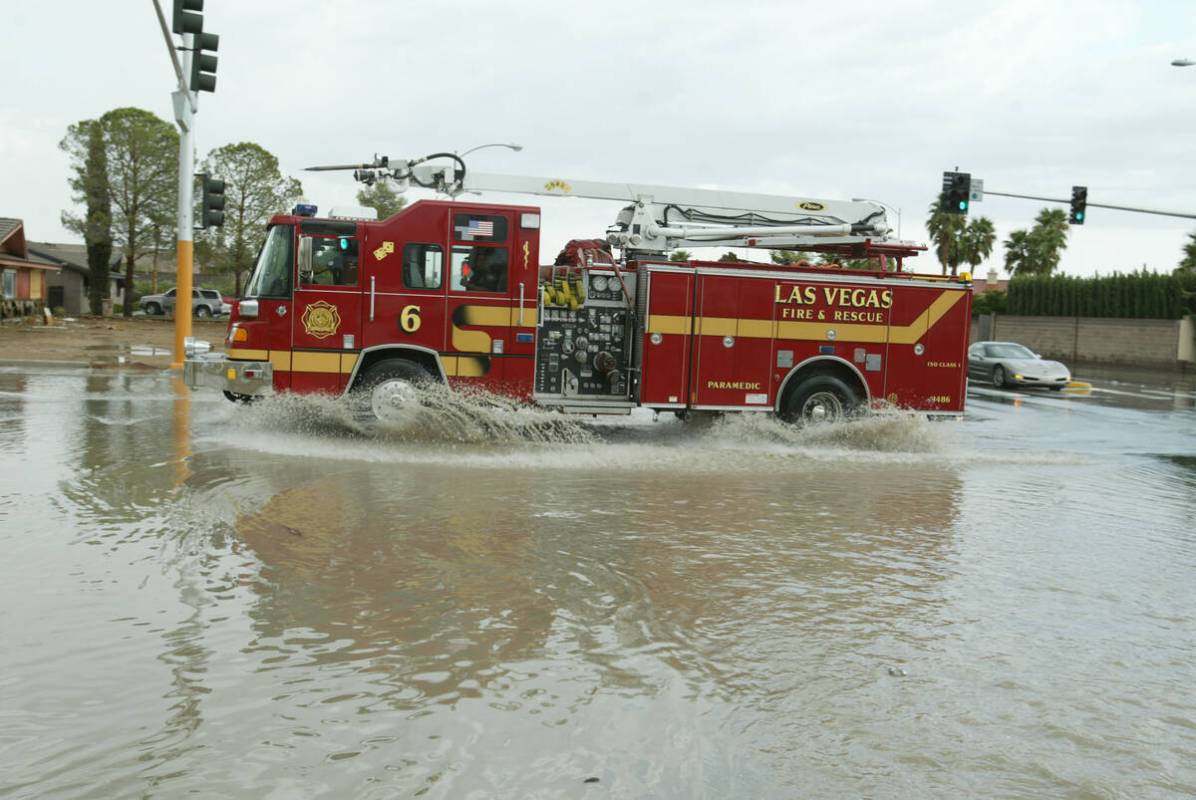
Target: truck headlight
column 193, row 346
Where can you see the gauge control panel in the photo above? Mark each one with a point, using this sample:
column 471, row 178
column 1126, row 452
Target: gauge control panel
column 583, row 349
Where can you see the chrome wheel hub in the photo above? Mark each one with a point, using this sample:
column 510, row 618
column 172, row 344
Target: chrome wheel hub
column 390, row 398
column 822, row 407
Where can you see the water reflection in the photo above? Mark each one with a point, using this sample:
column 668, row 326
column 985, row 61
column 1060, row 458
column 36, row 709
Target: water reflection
column 441, row 596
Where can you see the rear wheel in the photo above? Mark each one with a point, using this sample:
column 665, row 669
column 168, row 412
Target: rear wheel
column 999, row 376
column 392, row 386
column 153, row 309
column 203, row 312
column 820, row 398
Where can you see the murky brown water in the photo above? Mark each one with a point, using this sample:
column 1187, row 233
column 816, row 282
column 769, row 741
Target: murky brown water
column 264, row 602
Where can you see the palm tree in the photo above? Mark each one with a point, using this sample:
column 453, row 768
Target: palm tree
column 1050, row 237
column 1018, row 257
column 1037, row 251
column 945, row 231
column 1188, row 262
column 978, row 240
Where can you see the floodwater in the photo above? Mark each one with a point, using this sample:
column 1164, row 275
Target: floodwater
column 220, row 601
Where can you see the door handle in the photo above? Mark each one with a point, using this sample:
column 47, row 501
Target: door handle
column 372, row 279
column 521, row 285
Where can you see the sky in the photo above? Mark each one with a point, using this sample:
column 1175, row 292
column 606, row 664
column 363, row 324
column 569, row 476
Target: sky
column 824, row 100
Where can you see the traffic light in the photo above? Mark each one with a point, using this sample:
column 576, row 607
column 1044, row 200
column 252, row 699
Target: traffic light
column 203, row 66
column 187, row 18
column 957, row 193
column 1079, row 205
column 212, row 215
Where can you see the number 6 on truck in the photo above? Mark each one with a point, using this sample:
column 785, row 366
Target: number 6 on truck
column 409, row 319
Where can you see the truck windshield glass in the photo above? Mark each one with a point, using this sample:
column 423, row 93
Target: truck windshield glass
column 272, row 273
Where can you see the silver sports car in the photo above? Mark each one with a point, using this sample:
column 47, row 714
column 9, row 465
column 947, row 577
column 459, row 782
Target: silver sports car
column 1011, row 364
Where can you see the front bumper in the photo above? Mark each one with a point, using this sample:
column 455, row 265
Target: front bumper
column 1052, row 380
column 216, row 371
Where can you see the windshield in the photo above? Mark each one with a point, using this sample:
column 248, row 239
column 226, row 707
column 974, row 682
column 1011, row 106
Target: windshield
column 272, row 273
column 1008, row 351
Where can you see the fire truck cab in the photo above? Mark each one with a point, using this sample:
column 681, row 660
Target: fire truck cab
column 453, row 291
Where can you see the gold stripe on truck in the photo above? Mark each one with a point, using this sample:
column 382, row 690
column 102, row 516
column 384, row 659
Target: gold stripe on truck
column 782, row 329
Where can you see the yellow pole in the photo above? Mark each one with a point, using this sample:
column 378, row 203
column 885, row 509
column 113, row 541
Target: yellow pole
column 182, row 303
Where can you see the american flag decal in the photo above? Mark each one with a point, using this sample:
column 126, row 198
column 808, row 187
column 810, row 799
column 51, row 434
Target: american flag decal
column 476, row 229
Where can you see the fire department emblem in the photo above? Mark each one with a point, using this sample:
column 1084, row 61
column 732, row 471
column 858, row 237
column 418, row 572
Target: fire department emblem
column 321, row 319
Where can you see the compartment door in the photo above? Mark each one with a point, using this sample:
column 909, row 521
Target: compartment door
column 668, row 333
column 733, row 338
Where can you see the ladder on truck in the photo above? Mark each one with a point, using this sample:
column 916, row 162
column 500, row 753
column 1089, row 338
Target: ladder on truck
column 659, row 219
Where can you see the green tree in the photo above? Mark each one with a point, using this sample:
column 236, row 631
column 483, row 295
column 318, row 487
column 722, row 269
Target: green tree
column 792, row 257
column 90, row 186
column 729, row 256
column 842, row 262
column 142, row 151
column 1038, row 250
column 680, row 255
column 977, row 241
column 382, row 198
column 946, row 232
column 254, row 190
column 1188, row 262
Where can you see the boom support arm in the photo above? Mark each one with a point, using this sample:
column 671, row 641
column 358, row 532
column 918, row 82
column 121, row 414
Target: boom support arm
column 661, row 218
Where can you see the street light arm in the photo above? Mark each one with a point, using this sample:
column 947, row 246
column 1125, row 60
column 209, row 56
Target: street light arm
column 515, row 147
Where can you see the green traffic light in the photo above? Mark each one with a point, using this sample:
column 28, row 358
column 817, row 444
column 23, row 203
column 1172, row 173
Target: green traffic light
column 1080, row 215
column 963, row 205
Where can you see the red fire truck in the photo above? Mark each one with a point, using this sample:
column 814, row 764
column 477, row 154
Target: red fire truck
column 453, row 291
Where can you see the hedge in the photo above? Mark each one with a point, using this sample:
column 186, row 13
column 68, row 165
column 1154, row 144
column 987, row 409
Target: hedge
column 1138, row 295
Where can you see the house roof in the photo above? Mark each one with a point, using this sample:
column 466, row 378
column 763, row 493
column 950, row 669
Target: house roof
column 69, row 256
column 7, row 226
column 13, row 249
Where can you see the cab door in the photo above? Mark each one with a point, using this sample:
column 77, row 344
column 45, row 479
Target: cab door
column 326, row 324
column 481, row 297
column 266, row 336
column 405, row 273
column 519, row 365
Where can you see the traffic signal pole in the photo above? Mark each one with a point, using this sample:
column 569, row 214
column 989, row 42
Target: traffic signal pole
column 196, row 73
column 182, row 295
column 1090, row 204
column 185, row 106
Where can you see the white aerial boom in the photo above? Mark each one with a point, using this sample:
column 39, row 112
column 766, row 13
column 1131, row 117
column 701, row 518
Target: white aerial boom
column 661, row 218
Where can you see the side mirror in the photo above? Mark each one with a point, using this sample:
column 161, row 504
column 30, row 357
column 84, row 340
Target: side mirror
column 247, row 309
column 305, row 271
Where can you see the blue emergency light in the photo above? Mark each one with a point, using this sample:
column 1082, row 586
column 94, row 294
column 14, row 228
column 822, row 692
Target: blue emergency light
column 304, row 210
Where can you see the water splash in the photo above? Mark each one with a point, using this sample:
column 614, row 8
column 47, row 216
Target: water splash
column 441, row 415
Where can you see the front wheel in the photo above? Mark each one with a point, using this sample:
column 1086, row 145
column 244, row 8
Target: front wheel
column 390, row 387
column 203, row 312
column 820, row 398
column 999, row 376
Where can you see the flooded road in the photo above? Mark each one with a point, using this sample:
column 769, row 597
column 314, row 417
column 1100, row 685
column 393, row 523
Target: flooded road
column 263, row 602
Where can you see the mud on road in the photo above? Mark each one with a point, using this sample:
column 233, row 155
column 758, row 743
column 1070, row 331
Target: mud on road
column 100, row 342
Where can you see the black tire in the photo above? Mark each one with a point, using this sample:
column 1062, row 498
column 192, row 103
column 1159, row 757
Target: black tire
column 999, row 376
column 233, row 397
column 820, row 398
column 203, row 312
column 153, row 309
column 384, row 385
